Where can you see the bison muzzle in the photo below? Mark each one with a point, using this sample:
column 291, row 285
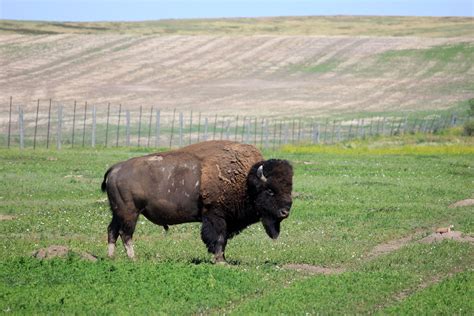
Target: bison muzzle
column 225, row 185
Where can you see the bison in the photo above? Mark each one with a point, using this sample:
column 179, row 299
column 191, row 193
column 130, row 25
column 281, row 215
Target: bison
column 225, row 185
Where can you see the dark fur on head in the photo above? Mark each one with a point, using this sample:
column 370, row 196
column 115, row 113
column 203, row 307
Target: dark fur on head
column 270, row 192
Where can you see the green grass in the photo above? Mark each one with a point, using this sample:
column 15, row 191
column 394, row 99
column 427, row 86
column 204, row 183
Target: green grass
column 452, row 296
column 457, row 58
column 350, row 198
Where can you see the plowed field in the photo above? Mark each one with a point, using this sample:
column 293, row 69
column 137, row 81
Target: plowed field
column 230, row 74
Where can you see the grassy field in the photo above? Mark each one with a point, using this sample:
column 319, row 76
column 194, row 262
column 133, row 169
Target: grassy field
column 311, row 25
column 359, row 214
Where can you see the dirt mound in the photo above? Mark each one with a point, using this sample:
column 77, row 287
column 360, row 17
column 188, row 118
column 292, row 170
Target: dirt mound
column 466, row 202
column 59, row 251
column 313, row 269
column 6, row 217
column 453, row 235
column 51, row 252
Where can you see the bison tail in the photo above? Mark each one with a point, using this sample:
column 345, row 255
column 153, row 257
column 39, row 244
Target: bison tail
column 104, row 183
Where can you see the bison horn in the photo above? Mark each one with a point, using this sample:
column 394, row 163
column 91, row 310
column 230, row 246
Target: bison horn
column 260, row 174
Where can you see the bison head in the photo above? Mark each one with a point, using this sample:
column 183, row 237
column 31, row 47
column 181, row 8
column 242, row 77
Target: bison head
column 270, row 183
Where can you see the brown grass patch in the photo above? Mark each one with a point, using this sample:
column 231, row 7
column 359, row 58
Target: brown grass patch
column 6, row 217
column 466, row 202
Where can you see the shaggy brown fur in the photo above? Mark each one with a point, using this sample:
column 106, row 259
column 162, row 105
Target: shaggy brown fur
column 225, row 185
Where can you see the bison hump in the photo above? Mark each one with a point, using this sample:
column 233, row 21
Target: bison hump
column 225, row 166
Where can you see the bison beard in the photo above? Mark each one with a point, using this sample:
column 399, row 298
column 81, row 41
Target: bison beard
column 225, row 185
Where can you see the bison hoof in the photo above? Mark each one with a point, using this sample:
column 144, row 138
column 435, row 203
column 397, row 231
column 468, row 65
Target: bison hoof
column 219, row 259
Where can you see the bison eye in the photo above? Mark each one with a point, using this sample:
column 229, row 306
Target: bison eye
column 270, row 192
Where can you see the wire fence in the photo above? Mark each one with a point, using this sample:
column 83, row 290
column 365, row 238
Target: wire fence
column 50, row 124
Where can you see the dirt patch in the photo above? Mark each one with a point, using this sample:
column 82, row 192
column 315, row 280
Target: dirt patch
column 452, row 235
column 6, row 217
column 390, row 246
column 394, row 245
column 313, row 269
column 466, row 202
column 59, row 251
column 51, row 252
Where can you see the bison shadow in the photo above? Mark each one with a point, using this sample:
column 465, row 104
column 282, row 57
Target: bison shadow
column 199, row 261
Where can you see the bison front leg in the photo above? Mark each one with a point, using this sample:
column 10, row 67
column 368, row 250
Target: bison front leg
column 214, row 235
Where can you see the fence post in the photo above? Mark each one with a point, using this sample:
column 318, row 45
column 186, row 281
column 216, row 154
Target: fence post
column 266, row 133
column 227, row 129
column 59, row 127
column 405, row 124
column 292, row 132
column 118, row 125
column 279, row 132
column 107, row 125
column 206, row 124
column 453, row 119
column 339, row 131
column 274, row 134
column 84, row 127
column 247, row 132
column 255, row 130
column 21, row 127
column 157, row 132
column 191, row 128
column 392, row 124
column 222, row 128
column 236, row 128
column 139, row 126
column 127, row 128
column 397, row 132
column 371, row 124
column 326, row 130
column 10, row 122
column 199, row 128
column 73, row 124
column 215, row 126
column 358, row 129
column 383, row 126
column 333, row 131
column 49, row 124
column 94, row 120
column 36, row 124
column 363, row 128
column 172, row 128
column 315, row 133
column 299, row 131
column 180, row 129
column 414, row 125
column 149, row 127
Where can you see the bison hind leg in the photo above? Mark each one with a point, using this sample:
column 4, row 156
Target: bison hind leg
column 113, row 232
column 126, row 233
column 125, row 228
